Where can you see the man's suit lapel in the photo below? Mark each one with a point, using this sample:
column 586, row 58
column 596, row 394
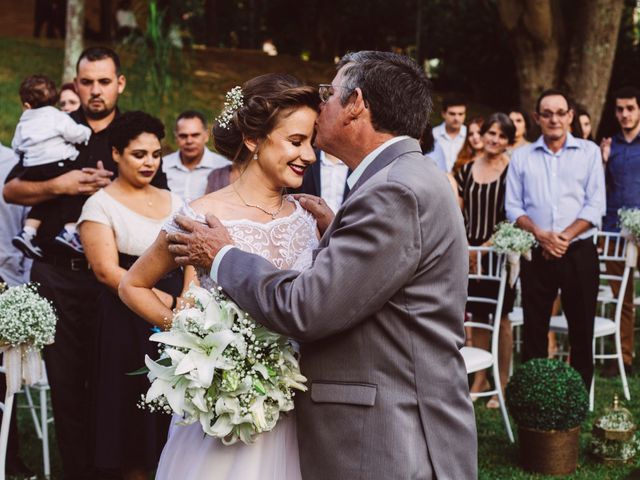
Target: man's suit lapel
column 385, row 157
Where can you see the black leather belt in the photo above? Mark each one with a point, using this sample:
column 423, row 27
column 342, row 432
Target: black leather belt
column 73, row 264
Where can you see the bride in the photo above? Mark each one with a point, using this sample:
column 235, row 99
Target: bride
column 266, row 128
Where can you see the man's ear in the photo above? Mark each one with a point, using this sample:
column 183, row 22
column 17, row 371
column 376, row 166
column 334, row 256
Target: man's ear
column 122, row 82
column 358, row 104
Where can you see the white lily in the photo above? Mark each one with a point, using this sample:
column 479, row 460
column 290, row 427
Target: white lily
column 166, row 383
column 258, row 414
column 176, row 339
column 203, row 359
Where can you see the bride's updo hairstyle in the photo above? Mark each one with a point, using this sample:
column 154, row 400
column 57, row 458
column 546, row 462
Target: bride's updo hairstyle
column 266, row 100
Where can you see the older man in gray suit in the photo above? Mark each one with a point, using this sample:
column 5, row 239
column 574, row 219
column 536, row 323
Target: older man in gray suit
column 379, row 314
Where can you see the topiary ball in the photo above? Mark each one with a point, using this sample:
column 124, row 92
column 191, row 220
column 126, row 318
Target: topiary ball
column 546, row 394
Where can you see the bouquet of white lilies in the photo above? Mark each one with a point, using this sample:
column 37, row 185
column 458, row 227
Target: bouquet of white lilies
column 220, row 368
column 515, row 243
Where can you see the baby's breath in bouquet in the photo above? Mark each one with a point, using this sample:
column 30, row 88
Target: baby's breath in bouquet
column 630, row 223
column 223, row 370
column 510, row 239
column 26, row 318
column 27, row 323
column 515, row 243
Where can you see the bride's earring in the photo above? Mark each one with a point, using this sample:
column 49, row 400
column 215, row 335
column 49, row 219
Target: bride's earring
column 255, row 156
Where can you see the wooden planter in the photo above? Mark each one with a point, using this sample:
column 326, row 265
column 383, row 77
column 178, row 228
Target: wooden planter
column 550, row 453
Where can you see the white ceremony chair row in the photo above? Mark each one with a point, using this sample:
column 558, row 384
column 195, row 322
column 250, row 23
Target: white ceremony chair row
column 614, row 249
column 39, row 415
column 477, row 359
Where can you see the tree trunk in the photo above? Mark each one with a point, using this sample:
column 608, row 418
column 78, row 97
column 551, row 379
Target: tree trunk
column 591, row 57
column 73, row 43
column 106, row 17
column 571, row 49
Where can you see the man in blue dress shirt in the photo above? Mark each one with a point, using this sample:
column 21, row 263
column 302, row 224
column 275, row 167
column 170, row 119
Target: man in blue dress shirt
column 555, row 190
column 622, row 156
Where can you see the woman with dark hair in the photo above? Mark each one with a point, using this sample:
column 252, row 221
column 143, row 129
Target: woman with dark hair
column 584, row 120
column 266, row 129
column 482, row 188
column 118, row 223
column 522, row 121
column 69, row 100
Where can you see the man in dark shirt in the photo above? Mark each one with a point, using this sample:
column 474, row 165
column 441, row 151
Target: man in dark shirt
column 63, row 274
column 622, row 156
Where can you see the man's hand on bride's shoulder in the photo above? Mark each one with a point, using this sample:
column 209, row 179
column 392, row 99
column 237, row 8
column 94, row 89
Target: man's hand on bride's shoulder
column 198, row 244
column 317, row 207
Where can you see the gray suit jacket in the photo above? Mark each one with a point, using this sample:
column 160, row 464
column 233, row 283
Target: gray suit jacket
column 380, row 320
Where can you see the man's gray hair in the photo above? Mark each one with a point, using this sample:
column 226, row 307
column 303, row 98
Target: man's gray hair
column 394, row 88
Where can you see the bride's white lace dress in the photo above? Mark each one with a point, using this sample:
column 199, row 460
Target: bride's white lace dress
column 191, row 455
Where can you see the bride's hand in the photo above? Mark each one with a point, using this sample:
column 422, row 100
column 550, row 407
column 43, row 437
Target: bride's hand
column 317, row 207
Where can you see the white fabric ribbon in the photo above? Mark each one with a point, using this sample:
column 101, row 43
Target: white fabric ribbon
column 23, row 366
column 632, row 254
column 513, row 262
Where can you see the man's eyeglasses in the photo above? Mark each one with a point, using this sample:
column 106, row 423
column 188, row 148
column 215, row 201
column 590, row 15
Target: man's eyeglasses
column 325, row 90
column 548, row 115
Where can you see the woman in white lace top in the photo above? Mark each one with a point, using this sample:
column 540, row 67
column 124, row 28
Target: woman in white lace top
column 268, row 135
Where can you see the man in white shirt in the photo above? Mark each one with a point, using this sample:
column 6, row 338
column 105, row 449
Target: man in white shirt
column 188, row 168
column 451, row 133
column 327, row 178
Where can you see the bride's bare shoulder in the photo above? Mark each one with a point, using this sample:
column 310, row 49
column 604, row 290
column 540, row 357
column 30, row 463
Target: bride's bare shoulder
column 218, row 203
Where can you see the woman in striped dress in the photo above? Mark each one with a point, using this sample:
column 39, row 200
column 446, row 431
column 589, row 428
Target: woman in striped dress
column 482, row 188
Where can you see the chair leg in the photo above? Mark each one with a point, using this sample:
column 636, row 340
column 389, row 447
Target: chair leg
column 623, row 373
column 4, row 432
column 32, row 410
column 503, row 407
column 44, row 424
column 593, row 379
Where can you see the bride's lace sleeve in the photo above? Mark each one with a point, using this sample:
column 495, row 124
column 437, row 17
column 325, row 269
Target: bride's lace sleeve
column 172, row 227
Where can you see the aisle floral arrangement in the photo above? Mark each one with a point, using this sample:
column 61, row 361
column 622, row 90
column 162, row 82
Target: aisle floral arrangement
column 27, row 324
column 515, row 243
column 630, row 223
column 220, row 368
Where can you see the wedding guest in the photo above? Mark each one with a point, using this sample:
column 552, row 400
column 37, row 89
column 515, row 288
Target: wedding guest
column 117, row 224
column 69, row 100
column 584, row 119
column 622, row 156
column 221, row 177
column 14, row 270
column 187, row 168
column 452, row 132
column 555, row 190
column 522, row 122
column 432, row 149
column 64, row 276
column 327, row 178
column 472, row 147
column 482, row 188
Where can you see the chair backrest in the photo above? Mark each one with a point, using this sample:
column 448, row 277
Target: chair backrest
column 491, row 267
column 612, row 247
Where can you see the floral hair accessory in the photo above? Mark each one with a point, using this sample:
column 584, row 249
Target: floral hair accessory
column 233, row 100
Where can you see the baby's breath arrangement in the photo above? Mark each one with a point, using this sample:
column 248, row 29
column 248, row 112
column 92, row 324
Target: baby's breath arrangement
column 510, row 239
column 220, row 368
column 233, row 100
column 26, row 318
column 630, row 222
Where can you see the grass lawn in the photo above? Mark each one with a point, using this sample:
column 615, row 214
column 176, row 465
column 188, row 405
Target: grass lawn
column 212, row 73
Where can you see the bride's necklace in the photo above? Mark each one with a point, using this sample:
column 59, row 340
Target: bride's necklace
column 273, row 214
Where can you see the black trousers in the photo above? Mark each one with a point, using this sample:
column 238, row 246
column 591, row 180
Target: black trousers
column 70, row 362
column 576, row 274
